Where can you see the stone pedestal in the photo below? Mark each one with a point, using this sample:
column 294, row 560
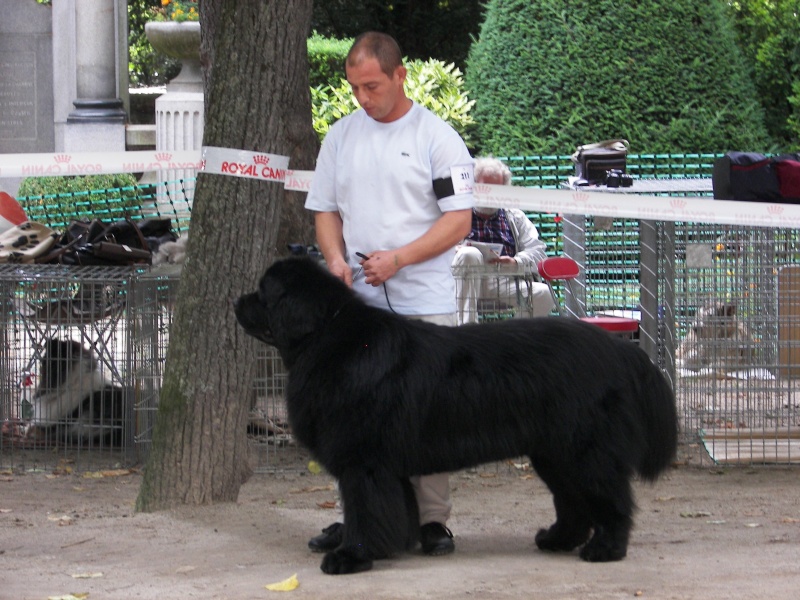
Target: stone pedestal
column 179, row 112
column 179, row 126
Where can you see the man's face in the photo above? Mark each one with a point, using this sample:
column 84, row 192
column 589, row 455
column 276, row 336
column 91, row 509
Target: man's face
column 378, row 94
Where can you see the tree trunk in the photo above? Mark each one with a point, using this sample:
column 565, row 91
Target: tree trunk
column 257, row 100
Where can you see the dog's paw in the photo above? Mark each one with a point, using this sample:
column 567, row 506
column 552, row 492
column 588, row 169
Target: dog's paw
column 602, row 551
column 555, row 540
column 344, row 561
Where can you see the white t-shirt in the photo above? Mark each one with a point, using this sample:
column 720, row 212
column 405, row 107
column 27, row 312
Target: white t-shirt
column 379, row 177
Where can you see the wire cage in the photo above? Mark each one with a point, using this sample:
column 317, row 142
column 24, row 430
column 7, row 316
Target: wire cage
column 720, row 314
column 66, row 391
column 272, row 443
column 736, row 338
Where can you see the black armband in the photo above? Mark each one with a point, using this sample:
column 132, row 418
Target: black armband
column 443, row 187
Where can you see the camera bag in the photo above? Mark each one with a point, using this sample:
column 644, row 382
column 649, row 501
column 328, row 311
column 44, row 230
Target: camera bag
column 592, row 161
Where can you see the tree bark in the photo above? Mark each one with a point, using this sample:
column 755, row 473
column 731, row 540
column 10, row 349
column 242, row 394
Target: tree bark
column 257, row 99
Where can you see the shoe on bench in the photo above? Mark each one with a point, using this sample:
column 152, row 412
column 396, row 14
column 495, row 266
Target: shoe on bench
column 329, row 539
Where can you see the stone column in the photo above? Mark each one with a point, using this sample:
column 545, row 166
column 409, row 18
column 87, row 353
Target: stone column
column 98, row 121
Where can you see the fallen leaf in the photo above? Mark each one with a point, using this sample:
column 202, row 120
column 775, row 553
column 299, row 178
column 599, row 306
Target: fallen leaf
column 287, row 585
column 695, row 514
column 752, row 525
column 62, row 520
column 185, row 569
column 314, row 468
column 108, row 473
column 790, row 520
column 78, row 596
column 487, row 475
column 315, row 488
column 5, row 510
column 327, row 504
column 86, row 575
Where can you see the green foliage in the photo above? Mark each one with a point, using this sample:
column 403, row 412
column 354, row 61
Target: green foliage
column 54, row 201
column 146, row 67
column 768, row 32
column 326, row 59
column 433, row 84
column 442, row 29
column 549, row 75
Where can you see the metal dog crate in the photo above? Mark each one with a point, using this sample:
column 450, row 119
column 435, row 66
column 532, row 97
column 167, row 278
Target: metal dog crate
column 273, row 446
column 87, row 305
column 737, row 338
column 720, row 315
column 123, row 317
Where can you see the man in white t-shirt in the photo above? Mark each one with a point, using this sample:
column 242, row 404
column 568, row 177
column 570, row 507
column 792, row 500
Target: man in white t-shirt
column 393, row 182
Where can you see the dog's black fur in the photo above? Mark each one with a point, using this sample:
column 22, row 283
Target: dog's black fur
column 378, row 398
column 73, row 401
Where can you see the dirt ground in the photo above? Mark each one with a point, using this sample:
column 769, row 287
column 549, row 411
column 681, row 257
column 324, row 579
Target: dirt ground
column 701, row 532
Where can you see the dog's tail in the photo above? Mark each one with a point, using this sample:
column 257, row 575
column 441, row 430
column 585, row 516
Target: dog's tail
column 660, row 416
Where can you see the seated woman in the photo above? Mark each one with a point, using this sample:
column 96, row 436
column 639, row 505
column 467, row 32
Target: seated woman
column 521, row 248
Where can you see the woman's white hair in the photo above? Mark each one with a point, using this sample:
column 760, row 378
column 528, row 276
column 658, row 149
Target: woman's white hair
column 489, row 165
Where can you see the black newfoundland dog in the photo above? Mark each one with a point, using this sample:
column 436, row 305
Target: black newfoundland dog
column 377, row 398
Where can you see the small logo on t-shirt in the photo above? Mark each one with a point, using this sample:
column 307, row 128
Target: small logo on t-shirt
column 405, row 154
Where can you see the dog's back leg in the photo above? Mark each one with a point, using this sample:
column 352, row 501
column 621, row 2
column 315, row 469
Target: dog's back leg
column 609, row 498
column 377, row 520
column 572, row 526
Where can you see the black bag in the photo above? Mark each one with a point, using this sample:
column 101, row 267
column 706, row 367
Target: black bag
column 593, row 161
column 747, row 176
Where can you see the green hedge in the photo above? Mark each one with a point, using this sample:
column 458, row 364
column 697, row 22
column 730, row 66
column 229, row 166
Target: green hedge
column 549, row 75
column 55, row 201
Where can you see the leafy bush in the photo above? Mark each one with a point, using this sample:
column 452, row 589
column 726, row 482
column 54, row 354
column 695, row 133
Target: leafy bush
column 665, row 75
column 146, row 67
column 55, row 201
column 433, row 84
column 326, row 59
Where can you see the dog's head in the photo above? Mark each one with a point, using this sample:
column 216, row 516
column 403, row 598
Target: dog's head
column 59, row 359
column 715, row 321
column 296, row 298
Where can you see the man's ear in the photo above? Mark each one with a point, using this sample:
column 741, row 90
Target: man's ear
column 401, row 72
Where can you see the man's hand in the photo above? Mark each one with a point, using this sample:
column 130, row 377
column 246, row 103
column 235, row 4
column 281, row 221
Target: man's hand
column 342, row 270
column 503, row 260
column 380, row 266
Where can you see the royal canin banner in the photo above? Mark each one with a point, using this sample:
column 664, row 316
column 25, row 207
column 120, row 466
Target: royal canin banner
column 96, row 163
column 241, row 163
column 269, row 167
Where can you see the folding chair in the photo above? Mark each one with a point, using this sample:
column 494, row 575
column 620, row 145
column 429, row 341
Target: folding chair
column 565, row 270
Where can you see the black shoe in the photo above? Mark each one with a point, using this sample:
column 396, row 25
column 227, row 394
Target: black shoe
column 436, row 539
column 329, row 539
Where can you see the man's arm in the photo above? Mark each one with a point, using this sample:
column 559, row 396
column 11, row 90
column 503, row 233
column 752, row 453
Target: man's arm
column 452, row 227
column 331, row 242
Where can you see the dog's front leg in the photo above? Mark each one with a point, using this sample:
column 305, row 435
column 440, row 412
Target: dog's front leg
column 376, row 520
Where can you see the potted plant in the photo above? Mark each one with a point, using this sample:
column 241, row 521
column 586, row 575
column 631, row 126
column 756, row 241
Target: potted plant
column 175, row 31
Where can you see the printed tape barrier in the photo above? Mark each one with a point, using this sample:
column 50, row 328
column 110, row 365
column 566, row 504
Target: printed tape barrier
column 241, row 163
column 656, row 208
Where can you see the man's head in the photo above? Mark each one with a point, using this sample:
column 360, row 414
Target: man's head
column 490, row 170
column 375, row 71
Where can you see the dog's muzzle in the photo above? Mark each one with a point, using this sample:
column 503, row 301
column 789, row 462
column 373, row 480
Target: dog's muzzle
column 247, row 310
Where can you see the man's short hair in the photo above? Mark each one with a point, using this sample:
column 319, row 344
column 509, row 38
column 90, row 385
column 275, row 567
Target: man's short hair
column 381, row 46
